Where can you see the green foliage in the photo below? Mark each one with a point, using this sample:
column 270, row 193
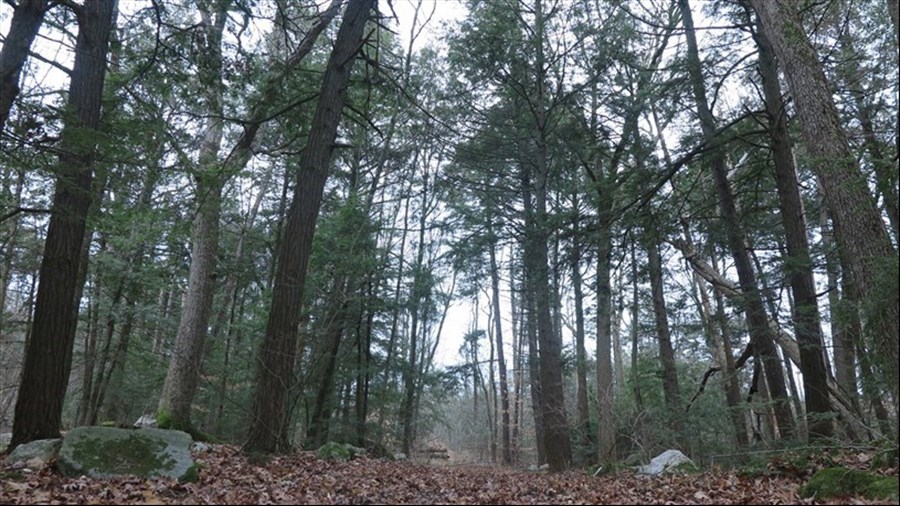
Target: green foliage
column 839, row 481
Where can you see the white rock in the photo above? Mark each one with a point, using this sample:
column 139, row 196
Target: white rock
column 145, row 421
column 664, row 462
column 200, row 447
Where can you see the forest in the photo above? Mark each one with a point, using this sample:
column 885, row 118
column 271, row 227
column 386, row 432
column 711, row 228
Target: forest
column 525, row 234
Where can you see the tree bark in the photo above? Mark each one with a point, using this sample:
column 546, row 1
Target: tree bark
column 666, row 352
column 501, row 358
column 859, row 229
column 174, row 409
column 751, row 302
column 270, row 416
column 797, row 263
column 583, row 417
column 606, row 422
column 48, row 357
column 28, row 16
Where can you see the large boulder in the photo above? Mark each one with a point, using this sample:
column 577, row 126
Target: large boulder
column 838, row 482
column 669, row 461
column 35, row 454
column 103, row 452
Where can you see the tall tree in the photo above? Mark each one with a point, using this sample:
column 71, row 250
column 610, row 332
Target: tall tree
column 211, row 175
column 174, row 410
column 859, row 228
column 757, row 324
column 48, row 358
column 797, row 263
column 275, row 364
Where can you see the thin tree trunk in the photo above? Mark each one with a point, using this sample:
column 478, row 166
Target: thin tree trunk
column 797, row 264
column 722, row 348
column 606, row 422
column 635, row 315
column 842, row 322
column 671, row 389
column 760, row 334
column 501, row 359
column 583, row 418
column 534, row 373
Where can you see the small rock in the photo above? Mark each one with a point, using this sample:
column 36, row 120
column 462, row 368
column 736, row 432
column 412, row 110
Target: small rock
column 36, row 454
column 667, row 462
column 145, row 421
column 399, row 456
column 200, row 447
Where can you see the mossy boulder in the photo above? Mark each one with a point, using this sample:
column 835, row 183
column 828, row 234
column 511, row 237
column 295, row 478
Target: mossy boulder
column 839, row 481
column 104, row 452
column 339, row 451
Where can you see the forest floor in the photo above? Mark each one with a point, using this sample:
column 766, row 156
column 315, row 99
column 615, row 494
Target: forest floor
column 228, row 477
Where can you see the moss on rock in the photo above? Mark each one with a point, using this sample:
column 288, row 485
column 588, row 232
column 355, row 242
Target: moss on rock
column 839, row 481
column 101, row 452
column 334, row 451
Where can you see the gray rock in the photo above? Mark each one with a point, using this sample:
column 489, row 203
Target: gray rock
column 35, row 454
column 399, row 456
column 103, row 452
column 667, row 462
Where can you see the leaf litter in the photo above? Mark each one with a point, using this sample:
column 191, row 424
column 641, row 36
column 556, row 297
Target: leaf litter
column 228, row 477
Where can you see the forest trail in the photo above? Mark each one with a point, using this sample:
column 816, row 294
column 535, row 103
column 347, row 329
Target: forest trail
column 228, row 477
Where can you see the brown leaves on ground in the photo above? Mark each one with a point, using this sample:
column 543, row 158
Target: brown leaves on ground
column 228, row 477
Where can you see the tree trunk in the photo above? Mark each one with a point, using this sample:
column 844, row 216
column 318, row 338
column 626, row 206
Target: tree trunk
column 859, row 228
column 583, row 418
column 722, row 346
column 666, row 352
column 335, row 318
column 757, row 324
column 501, row 359
column 534, row 367
column 606, row 422
column 844, row 320
column 27, row 18
column 174, row 410
column 270, row 416
column 797, row 263
column 635, row 316
column 48, row 357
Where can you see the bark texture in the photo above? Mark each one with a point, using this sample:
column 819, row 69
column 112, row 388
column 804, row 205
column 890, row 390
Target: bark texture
column 275, row 364
column 27, row 19
column 48, row 359
column 859, row 229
